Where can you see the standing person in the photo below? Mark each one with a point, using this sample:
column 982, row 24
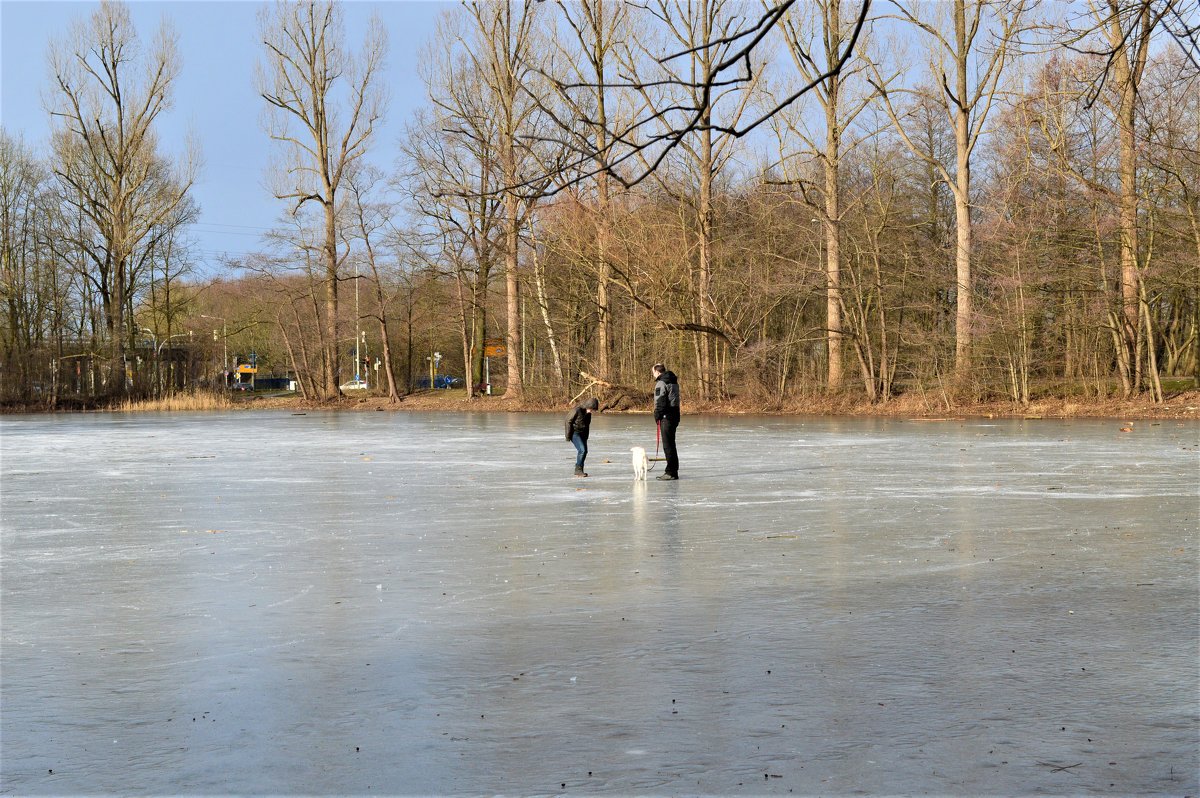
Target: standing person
column 666, row 413
column 578, row 425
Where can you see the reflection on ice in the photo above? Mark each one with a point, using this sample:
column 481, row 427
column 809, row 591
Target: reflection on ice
column 406, row 603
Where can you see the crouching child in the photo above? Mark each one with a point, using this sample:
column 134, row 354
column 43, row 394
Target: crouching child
column 578, row 425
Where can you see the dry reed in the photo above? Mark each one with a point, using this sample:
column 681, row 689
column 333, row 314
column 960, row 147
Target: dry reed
column 190, row 401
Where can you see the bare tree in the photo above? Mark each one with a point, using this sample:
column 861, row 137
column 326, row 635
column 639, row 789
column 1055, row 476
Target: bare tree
column 706, row 63
column 702, row 31
column 503, row 45
column 325, row 103
column 632, row 149
column 292, row 277
column 370, row 220
column 1172, row 131
column 588, row 48
column 167, row 259
column 106, row 99
column 1128, row 31
column 451, row 181
column 967, row 58
column 24, row 270
column 1116, row 37
column 814, row 43
column 542, row 298
column 879, row 262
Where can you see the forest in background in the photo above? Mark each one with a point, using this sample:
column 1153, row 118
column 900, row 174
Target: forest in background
column 986, row 199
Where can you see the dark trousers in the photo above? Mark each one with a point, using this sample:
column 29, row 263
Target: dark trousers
column 668, row 427
column 581, row 450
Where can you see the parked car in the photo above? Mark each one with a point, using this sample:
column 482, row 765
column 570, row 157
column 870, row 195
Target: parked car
column 441, row 381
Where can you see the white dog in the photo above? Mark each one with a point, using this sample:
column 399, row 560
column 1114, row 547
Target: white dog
column 640, row 463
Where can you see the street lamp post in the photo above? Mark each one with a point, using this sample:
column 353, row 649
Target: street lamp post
column 167, row 340
column 361, row 357
column 224, row 346
column 154, row 349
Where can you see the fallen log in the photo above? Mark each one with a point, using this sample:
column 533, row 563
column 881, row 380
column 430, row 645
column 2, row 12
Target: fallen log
column 615, row 396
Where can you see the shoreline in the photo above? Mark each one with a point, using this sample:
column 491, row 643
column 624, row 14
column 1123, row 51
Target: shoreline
column 1183, row 405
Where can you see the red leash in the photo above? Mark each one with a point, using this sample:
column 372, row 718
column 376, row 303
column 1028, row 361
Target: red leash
column 657, row 441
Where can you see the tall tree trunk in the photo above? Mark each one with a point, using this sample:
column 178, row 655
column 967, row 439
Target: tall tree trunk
column 1127, row 169
column 515, row 390
column 543, row 302
column 704, row 213
column 604, row 210
column 1129, row 31
column 464, row 330
column 964, row 315
column 604, row 342
column 384, row 334
column 832, row 229
column 479, row 319
column 332, row 375
column 118, row 382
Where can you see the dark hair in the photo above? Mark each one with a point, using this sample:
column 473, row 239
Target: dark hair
column 659, row 368
column 592, row 404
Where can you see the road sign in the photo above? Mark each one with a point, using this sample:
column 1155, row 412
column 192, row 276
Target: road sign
column 495, row 347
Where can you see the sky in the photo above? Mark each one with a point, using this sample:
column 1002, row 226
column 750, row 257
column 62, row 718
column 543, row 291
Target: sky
column 214, row 97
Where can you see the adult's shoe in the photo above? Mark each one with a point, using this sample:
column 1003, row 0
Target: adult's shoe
column 666, row 477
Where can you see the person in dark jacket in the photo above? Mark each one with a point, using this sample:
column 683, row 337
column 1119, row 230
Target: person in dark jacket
column 666, row 414
column 578, row 425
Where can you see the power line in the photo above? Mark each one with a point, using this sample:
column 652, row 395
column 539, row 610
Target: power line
column 229, row 224
column 229, row 233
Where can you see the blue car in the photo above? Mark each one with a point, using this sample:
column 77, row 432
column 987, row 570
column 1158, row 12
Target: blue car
column 441, row 381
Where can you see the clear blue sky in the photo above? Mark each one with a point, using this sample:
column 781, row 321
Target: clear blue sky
column 214, row 97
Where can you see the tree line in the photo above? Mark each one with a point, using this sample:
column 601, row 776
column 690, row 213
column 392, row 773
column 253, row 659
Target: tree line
column 978, row 198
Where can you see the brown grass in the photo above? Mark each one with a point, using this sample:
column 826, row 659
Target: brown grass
column 190, row 401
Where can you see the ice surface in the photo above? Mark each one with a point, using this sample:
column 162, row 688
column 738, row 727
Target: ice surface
column 428, row 604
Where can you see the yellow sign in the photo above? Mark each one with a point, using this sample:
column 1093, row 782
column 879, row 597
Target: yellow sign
column 247, row 370
column 495, row 347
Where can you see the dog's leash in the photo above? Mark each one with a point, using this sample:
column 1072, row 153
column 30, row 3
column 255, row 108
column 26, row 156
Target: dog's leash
column 657, row 443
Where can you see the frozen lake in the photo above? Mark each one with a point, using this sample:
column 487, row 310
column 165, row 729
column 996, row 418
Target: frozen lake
column 430, row 604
